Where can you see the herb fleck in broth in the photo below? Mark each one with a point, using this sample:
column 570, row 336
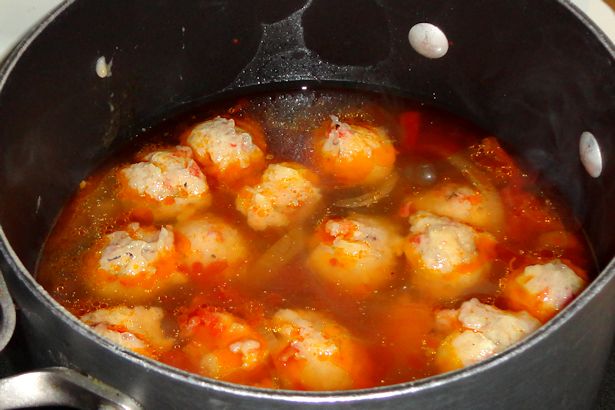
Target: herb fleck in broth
column 314, row 240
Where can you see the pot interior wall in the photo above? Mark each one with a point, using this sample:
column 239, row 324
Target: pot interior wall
column 526, row 70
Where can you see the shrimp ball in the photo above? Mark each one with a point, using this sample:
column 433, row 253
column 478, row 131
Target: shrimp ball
column 223, row 346
column 447, row 258
column 312, row 352
column 209, row 244
column 286, row 193
column 227, row 150
column 138, row 329
column 480, row 332
column 353, row 154
column 166, row 184
column 462, row 203
column 543, row 289
column 134, row 264
column 359, row 252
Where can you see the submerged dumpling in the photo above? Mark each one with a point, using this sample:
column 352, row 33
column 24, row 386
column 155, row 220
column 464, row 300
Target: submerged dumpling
column 312, row 352
column 480, row 331
column 543, row 289
column 461, row 202
column 447, row 258
column 223, row 346
column 138, row 329
column 287, row 193
column 166, row 183
column 229, row 150
column 210, row 245
column 353, row 154
column 358, row 253
column 135, row 263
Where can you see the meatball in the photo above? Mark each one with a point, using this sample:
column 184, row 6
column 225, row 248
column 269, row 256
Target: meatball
column 543, row 289
column 359, row 253
column 134, row 264
column 138, row 329
column 209, row 244
column 312, row 352
column 353, row 154
column 227, row 150
column 479, row 332
column 447, row 258
column 462, row 203
column 167, row 183
column 223, row 346
column 286, row 193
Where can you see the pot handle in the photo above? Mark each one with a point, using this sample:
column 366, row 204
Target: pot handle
column 7, row 314
column 53, row 386
column 60, row 386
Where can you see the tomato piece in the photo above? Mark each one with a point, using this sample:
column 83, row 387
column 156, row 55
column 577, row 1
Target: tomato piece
column 528, row 216
column 492, row 158
column 410, row 126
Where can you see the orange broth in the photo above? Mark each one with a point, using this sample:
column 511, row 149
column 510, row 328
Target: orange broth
column 395, row 323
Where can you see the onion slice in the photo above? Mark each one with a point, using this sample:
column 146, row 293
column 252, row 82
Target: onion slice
column 482, row 183
column 279, row 254
column 372, row 197
column 471, row 171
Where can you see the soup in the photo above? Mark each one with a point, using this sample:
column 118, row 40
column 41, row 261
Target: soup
column 314, row 240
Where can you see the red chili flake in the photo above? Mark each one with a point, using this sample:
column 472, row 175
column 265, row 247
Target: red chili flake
column 411, row 125
column 406, row 209
column 235, row 41
column 194, row 170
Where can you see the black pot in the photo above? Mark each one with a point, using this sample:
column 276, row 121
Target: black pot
column 536, row 73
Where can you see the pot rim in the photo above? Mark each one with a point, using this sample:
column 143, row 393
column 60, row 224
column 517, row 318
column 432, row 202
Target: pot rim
column 13, row 262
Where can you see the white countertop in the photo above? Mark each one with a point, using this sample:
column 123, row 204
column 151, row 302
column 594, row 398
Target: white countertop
column 16, row 16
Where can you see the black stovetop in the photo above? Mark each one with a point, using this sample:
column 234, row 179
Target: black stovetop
column 15, row 359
